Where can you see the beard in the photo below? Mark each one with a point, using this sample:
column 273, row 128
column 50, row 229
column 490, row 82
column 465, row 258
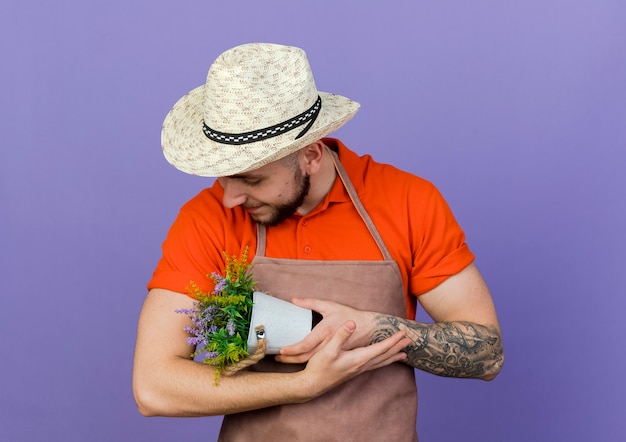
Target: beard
column 283, row 211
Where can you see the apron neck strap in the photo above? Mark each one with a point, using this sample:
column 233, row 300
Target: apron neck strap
column 343, row 175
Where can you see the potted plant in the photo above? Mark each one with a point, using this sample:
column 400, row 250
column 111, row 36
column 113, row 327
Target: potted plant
column 235, row 326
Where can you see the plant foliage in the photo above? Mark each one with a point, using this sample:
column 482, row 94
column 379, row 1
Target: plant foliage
column 221, row 318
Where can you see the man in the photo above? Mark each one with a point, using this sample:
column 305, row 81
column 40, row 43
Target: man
column 352, row 239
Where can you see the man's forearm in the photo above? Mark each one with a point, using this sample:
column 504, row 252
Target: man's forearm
column 452, row 349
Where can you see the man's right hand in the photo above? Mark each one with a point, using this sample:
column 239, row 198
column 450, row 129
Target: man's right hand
column 332, row 365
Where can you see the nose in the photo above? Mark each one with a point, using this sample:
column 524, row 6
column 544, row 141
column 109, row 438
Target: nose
column 233, row 193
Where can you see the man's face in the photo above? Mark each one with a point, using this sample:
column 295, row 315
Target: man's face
column 269, row 194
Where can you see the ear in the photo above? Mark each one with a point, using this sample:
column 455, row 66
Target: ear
column 312, row 156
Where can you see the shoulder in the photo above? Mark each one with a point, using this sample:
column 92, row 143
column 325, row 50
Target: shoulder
column 208, row 205
column 204, row 217
column 207, row 200
column 376, row 180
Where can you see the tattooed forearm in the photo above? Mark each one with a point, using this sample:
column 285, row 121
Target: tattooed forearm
column 453, row 349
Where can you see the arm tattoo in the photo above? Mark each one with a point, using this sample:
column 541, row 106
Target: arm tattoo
column 452, row 349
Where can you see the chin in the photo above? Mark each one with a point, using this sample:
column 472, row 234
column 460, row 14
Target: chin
column 268, row 220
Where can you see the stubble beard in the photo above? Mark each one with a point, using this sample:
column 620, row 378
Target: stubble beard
column 283, row 211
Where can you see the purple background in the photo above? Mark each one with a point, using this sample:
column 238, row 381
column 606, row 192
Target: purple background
column 516, row 110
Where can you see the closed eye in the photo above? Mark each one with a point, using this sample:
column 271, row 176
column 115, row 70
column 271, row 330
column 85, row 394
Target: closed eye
column 251, row 182
column 245, row 179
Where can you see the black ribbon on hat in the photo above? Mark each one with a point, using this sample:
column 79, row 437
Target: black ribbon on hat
column 307, row 117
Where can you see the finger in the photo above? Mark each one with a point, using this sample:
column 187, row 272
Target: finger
column 385, row 352
column 340, row 337
column 333, row 346
column 318, row 305
column 335, row 343
column 303, row 351
column 394, row 354
column 398, row 357
column 307, row 345
column 299, row 357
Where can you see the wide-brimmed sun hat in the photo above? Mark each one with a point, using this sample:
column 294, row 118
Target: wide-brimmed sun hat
column 259, row 104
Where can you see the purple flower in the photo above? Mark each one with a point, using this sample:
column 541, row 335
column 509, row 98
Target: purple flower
column 220, row 283
column 216, row 319
column 191, row 330
column 202, row 341
column 192, row 340
column 186, row 311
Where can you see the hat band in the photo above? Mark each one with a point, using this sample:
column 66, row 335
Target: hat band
column 309, row 116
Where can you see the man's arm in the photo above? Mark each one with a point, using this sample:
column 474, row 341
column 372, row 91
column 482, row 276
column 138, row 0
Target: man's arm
column 464, row 341
column 167, row 382
column 454, row 349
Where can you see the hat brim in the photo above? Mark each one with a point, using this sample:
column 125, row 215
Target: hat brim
column 187, row 148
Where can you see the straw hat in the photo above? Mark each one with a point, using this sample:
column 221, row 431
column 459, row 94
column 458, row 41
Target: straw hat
column 259, row 104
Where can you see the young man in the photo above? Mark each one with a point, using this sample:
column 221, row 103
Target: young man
column 355, row 240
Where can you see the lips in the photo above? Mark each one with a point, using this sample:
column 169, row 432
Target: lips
column 252, row 209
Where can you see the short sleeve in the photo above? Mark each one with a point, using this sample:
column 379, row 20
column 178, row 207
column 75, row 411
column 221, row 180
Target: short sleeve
column 439, row 249
column 185, row 257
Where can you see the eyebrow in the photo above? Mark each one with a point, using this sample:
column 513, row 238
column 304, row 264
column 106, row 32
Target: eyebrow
column 245, row 176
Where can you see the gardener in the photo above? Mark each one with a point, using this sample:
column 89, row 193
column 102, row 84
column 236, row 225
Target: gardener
column 355, row 240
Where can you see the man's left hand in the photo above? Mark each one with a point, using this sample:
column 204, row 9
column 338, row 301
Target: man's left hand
column 334, row 315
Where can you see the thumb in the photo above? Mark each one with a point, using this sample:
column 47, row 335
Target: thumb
column 343, row 333
column 310, row 303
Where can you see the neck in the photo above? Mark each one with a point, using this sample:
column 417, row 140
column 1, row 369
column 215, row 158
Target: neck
column 321, row 183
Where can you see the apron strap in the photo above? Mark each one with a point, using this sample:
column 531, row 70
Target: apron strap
column 260, row 239
column 343, row 175
column 359, row 205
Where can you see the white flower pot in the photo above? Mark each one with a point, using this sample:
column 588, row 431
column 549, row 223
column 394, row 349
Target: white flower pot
column 284, row 322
